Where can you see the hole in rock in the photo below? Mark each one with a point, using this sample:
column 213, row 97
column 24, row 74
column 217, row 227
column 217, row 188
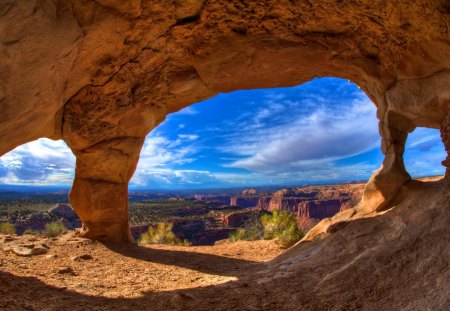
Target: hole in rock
column 424, row 152
column 34, row 178
column 219, row 164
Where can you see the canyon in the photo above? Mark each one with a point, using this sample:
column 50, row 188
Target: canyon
column 310, row 204
column 201, row 218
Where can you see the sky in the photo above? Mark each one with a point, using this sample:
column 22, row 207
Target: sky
column 318, row 132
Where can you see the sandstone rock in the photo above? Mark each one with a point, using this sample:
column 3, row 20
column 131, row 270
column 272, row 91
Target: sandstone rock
column 244, row 201
column 39, row 250
column 82, row 257
column 27, row 250
column 6, row 249
column 51, row 256
column 66, row 270
column 22, row 251
column 102, row 74
column 248, row 192
column 8, row 238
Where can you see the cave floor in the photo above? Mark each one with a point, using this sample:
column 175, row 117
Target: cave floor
column 118, row 272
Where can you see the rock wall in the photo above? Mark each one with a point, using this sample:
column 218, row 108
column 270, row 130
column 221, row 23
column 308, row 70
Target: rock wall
column 314, row 203
column 244, row 201
column 102, row 74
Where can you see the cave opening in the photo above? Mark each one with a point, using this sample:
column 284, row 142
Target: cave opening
column 322, row 132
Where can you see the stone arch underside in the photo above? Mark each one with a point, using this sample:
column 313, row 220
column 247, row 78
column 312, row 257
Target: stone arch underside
column 102, row 74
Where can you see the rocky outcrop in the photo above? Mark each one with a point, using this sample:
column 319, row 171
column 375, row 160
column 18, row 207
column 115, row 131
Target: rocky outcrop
column 313, row 203
column 65, row 214
column 102, row 74
column 214, row 199
column 248, row 192
column 244, row 201
column 309, row 212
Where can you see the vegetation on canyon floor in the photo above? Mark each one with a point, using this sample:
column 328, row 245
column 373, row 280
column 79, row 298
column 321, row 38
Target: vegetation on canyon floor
column 52, row 229
column 7, row 228
column 280, row 226
column 162, row 234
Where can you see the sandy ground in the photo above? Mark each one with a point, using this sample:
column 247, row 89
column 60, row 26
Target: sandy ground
column 117, row 270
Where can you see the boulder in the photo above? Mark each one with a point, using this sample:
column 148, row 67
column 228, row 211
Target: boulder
column 30, row 249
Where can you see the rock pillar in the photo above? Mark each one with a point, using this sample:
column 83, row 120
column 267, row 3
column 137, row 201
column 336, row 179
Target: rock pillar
column 386, row 182
column 100, row 190
column 445, row 135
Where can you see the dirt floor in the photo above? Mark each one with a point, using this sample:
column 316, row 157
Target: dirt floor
column 76, row 268
column 395, row 260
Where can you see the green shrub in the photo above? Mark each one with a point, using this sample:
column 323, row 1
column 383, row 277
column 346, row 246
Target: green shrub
column 32, row 232
column 54, row 229
column 161, row 234
column 280, row 225
column 7, row 228
column 237, row 235
column 253, row 230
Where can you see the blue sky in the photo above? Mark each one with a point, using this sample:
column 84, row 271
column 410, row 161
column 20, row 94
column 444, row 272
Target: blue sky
column 322, row 131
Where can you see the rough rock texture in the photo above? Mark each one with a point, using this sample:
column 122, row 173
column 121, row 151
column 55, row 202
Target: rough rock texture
column 248, row 192
column 66, row 215
column 244, row 201
column 102, row 74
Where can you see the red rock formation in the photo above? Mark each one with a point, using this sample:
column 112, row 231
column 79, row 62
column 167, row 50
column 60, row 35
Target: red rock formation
column 102, row 74
column 248, row 192
column 244, row 201
column 313, row 203
column 263, row 203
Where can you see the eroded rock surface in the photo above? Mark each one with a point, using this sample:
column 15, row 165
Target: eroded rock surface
column 102, row 74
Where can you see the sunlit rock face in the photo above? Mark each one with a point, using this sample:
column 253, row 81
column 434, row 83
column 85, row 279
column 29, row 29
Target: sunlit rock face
column 102, row 74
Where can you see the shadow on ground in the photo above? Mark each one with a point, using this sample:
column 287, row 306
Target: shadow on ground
column 206, row 263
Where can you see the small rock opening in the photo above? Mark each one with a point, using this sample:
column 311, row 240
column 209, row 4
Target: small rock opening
column 424, row 153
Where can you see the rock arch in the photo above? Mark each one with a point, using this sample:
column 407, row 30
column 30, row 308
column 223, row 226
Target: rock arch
column 102, row 74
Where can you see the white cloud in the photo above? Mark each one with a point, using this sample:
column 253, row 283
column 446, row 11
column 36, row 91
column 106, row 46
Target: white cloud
column 160, row 156
column 188, row 136
column 41, row 162
column 327, row 134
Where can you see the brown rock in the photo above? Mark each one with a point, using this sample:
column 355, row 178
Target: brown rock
column 66, row 270
column 102, row 74
column 248, row 192
column 8, row 238
column 30, row 249
column 82, row 257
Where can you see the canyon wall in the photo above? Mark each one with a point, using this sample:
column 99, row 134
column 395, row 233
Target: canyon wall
column 310, row 204
column 313, row 203
column 102, row 74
